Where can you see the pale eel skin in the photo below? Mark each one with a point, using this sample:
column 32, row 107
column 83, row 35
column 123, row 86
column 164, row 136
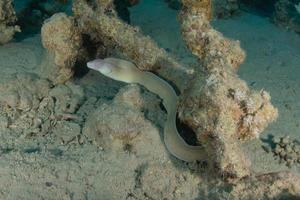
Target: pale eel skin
column 125, row 71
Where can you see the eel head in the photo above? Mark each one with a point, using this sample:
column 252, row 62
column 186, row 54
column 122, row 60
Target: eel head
column 114, row 68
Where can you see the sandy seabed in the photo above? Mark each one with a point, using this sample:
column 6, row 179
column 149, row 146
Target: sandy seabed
column 45, row 166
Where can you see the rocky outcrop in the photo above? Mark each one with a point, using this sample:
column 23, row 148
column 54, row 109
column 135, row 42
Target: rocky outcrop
column 7, row 21
column 62, row 40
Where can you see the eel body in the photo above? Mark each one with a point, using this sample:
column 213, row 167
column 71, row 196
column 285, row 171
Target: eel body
column 122, row 70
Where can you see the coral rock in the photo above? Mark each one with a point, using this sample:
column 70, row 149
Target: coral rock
column 7, row 19
column 142, row 50
column 62, row 40
column 222, row 109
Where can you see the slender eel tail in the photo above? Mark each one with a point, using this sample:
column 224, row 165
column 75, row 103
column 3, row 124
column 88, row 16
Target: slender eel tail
column 175, row 144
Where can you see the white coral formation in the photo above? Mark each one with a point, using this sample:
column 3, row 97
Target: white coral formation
column 7, row 19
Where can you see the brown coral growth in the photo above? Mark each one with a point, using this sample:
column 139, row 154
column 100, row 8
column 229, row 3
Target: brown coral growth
column 62, row 40
column 105, row 29
column 224, row 108
column 216, row 104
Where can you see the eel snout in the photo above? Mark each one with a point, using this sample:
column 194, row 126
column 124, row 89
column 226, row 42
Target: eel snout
column 100, row 65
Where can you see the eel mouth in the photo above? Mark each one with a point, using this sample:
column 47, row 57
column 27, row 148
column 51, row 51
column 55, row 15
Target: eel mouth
column 100, row 65
column 94, row 64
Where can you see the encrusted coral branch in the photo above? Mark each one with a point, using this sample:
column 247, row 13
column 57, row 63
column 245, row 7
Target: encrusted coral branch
column 224, row 109
column 217, row 105
column 62, row 40
column 104, row 28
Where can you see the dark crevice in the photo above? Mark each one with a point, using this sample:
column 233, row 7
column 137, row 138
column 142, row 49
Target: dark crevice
column 186, row 133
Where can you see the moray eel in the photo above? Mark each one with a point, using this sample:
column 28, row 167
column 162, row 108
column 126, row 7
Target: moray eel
column 122, row 70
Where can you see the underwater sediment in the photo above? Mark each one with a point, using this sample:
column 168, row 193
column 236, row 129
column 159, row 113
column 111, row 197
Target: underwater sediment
column 121, row 130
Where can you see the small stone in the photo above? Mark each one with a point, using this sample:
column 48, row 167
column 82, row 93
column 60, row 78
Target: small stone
column 37, row 123
column 293, row 156
column 285, row 140
column 266, row 148
column 3, row 122
column 288, row 157
column 80, row 139
column 282, row 154
column 288, row 148
column 296, row 148
column 276, row 140
column 281, row 161
column 282, row 144
column 277, row 149
column 289, row 163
